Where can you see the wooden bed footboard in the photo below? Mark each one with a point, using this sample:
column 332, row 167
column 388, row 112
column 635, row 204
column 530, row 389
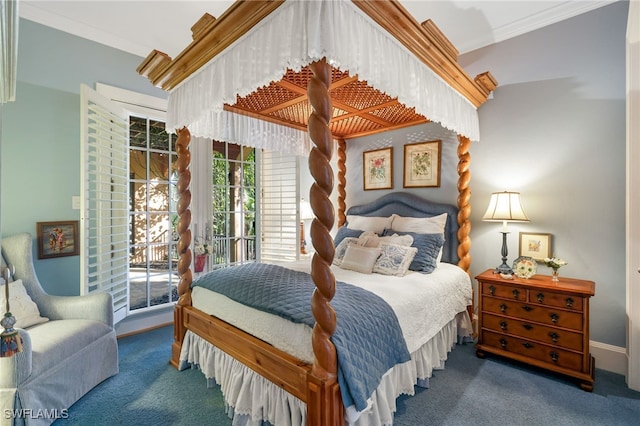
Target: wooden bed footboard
column 322, row 396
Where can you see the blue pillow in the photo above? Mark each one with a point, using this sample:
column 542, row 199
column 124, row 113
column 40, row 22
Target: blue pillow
column 428, row 246
column 345, row 232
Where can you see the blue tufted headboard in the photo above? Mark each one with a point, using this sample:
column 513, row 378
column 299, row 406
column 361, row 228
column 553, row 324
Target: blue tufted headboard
column 410, row 205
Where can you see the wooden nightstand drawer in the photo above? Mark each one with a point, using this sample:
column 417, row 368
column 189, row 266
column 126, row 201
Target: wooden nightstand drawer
column 557, row 300
column 530, row 312
column 505, row 291
column 533, row 331
column 550, row 355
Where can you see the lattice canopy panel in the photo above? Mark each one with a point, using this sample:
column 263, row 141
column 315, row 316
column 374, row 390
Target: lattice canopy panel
column 358, row 108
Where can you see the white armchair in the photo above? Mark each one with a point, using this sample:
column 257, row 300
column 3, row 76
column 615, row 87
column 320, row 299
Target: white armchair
column 62, row 358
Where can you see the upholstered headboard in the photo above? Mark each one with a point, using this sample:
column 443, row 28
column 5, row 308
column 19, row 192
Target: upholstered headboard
column 410, row 205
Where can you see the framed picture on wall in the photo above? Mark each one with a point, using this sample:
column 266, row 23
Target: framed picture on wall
column 535, row 245
column 57, row 239
column 377, row 169
column 422, row 164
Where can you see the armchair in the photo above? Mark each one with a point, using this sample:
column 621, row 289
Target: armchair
column 62, row 358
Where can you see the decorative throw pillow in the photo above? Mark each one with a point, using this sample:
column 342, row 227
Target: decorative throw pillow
column 376, row 224
column 370, row 239
column 360, row 259
column 22, row 307
column 341, row 249
column 394, row 259
column 421, row 225
column 429, row 251
column 344, row 232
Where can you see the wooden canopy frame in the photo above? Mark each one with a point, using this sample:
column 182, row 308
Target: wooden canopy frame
column 304, row 100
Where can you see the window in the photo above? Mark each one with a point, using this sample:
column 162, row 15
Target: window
column 234, row 204
column 152, row 212
column 144, row 191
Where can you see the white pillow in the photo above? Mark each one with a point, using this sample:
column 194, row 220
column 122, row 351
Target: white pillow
column 376, row 224
column 394, row 259
column 420, row 225
column 374, row 240
column 21, row 306
column 360, row 259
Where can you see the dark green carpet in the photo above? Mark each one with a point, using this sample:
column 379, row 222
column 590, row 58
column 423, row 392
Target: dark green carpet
column 470, row 391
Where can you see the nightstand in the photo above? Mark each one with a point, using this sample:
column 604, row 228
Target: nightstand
column 538, row 322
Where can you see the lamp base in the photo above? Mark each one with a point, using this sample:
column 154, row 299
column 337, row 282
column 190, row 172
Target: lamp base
column 504, row 268
column 303, row 243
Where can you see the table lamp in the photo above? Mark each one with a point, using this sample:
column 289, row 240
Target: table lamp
column 306, row 213
column 505, row 207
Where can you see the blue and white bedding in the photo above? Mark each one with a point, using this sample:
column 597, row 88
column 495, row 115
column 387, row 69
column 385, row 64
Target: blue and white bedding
column 362, row 317
column 429, row 308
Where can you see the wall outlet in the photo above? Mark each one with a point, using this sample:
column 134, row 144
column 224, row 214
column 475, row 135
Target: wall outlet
column 75, row 202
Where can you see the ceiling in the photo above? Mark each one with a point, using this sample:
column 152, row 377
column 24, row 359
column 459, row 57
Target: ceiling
column 138, row 27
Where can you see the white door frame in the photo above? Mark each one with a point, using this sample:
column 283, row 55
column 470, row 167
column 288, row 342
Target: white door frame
column 633, row 196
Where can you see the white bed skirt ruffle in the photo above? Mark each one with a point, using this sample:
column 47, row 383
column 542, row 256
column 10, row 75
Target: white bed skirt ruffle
column 250, row 399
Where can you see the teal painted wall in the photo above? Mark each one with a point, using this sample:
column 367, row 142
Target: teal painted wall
column 40, row 141
column 40, row 172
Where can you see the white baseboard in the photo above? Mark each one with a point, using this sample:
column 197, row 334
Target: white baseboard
column 136, row 323
column 609, row 357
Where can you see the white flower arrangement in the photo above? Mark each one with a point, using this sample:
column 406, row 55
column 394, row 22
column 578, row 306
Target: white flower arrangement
column 201, row 247
column 555, row 262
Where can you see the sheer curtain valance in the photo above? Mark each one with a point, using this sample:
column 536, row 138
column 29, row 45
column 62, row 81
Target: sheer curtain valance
column 297, row 33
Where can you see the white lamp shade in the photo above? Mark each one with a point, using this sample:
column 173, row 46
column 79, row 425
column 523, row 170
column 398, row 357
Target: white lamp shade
column 505, row 206
column 305, row 210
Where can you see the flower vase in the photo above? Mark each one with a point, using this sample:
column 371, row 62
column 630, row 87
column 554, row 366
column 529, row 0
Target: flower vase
column 201, row 259
column 554, row 275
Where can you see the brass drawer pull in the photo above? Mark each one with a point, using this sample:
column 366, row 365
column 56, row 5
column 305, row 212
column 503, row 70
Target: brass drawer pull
column 569, row 302
column 503, row 325
column 516, row 293
column 554, row 356
column 492, row 290
column 503, row 308
column 554, row 336
column 554, row 318
column 540, row 298
column 503, row 343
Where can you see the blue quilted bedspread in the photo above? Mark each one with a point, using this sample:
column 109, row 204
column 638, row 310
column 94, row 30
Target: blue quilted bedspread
column 368, row 338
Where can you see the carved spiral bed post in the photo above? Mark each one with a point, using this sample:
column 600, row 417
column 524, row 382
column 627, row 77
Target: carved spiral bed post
column 342, row 181
column 184, row 244
column 464, row 207
column 324, row 406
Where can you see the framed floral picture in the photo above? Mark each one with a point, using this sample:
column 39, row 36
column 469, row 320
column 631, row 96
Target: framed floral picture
column 535, row 245
column 377, row 169
column 57, row 239
column 422, row 164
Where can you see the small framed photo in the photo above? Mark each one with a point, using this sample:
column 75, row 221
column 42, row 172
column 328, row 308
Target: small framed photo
column 57, row 239
column 377, row 169
column 422, row 164
column 534, row 245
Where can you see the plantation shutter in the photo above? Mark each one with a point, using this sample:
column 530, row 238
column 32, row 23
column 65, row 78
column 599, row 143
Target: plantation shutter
column 280, row 226
column 104, row 262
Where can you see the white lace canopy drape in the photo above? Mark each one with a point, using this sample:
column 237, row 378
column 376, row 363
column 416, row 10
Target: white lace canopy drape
column 295, row 34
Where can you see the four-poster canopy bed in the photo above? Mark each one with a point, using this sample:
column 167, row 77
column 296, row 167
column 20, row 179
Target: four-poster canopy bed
column 295, row 76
